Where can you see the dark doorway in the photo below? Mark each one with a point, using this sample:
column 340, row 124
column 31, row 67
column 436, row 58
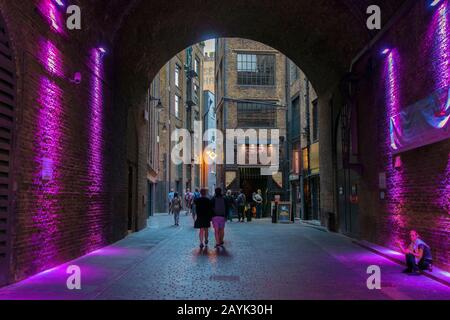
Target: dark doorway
column 348, row 202
column 130, row 198
column 251, row 180
column 150, row 198
column 315, row 197
column 306, row 200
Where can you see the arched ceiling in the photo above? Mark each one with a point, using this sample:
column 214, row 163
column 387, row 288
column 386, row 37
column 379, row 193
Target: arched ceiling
column 320, row 36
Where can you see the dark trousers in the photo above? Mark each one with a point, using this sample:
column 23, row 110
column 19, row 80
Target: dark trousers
column 241, row 213
column 411, row 263
column 230, row 214
column 258, row 211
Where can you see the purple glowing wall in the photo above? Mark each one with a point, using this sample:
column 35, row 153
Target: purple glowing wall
column 47, row 178
column 96, row 187
column 50, row 58
column 396, row 183
column 53, row 15
column 441, row 29
column 438, row 38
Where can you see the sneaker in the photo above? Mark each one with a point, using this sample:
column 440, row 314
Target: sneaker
column 201, row 246
column 206, row 242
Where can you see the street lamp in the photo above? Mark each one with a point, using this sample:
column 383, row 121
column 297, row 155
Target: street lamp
column 164, row 128
column 159, row 106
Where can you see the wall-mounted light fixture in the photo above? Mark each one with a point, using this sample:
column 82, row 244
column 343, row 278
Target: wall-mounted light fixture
column 102, row 51
column 159, row 106
column 434, row 3
column 60, row 3
column 385, row 51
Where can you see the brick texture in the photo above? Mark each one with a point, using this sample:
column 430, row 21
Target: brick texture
column 417, row 194
column 81, row 207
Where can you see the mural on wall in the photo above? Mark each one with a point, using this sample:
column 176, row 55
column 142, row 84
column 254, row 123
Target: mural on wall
column 423, row 123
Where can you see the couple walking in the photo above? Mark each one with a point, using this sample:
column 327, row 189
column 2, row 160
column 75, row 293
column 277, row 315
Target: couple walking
column 211, row 210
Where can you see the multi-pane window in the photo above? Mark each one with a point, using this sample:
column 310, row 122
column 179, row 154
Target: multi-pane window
column 177, row 106
column 295, row 127
column 196, row 92
column 294, row 72
column 197, row 65
column 315, row 120
column 256, row 115
column 177, row 75
column 256, row 69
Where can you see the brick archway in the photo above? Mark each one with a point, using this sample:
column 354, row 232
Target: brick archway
column 321, row 39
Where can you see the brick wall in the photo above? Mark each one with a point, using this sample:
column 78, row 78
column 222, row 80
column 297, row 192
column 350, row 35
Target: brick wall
column 71, row 132
column 417, row 193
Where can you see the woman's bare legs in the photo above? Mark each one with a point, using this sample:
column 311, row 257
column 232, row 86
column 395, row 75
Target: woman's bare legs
column 201, row 235
column 217, row 236
column 221, row 235
column 206, row 235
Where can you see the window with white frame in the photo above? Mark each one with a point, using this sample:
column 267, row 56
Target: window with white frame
column 256, row 69
column 177, row 106
column 197, row 65
column 177, row 75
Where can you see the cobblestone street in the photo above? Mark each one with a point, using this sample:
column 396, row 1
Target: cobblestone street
column 260, row 261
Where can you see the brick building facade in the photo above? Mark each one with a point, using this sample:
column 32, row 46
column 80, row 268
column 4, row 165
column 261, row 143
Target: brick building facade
column 179, row 87
column 250, row 94
column 303, row 142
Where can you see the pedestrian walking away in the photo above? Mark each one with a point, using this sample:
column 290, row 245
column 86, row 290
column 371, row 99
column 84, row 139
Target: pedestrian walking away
column 176, row 207
column 220, row 209
column 204, row 211
column 197, row 195
column 188, row 200
column 170, row 198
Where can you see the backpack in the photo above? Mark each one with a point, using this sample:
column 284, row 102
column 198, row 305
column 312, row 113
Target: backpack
column 240, row 199
column 219, row 207
column 176, row 204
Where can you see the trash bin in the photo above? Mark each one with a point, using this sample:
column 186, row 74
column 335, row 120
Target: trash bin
column 331, row 222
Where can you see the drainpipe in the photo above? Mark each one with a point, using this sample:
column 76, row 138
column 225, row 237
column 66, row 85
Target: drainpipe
column 308, row 144
column 225, row 107
column 288, row 156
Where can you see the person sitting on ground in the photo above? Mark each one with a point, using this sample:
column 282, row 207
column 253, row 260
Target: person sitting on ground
column 204, row 209
column 220, row 209
column 419, row 251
